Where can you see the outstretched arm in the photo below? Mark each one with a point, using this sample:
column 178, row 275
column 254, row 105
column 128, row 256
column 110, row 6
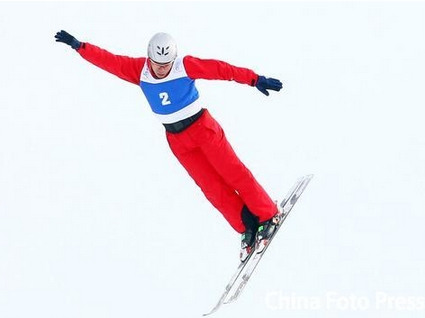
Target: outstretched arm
column 211, row 69
column 126, row 68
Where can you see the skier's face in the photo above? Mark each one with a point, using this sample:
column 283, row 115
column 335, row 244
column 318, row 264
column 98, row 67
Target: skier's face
column 161, row 70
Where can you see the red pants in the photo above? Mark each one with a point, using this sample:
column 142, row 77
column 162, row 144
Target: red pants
column 209, row 159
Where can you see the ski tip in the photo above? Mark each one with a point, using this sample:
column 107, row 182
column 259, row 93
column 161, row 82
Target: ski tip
column 207, row 314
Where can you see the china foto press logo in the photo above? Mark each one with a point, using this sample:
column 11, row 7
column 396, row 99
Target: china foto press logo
column 334, row 301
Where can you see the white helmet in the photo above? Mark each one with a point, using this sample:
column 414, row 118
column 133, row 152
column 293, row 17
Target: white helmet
column 162, row 48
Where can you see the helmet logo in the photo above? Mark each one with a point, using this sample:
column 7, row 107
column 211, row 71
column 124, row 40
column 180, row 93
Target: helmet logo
column 162, row 50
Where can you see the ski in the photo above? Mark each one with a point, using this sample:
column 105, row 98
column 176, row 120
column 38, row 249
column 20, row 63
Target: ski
column 286, row 205
column 231, row 283
column 244, row 271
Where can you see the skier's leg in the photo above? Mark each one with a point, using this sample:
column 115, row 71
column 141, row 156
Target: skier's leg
column 225, row 161
column 221, row 196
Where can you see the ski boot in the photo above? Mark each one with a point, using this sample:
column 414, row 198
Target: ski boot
column 247, row 244
column 266, row 230
column 249, row 236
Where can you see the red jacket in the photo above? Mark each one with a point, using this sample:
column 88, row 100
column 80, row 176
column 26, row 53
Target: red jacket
column 129, row 68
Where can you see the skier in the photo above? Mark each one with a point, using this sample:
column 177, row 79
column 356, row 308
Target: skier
column 193, row 135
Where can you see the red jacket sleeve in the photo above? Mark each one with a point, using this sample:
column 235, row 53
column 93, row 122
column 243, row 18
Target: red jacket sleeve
column 218, row 70
column 126, row 68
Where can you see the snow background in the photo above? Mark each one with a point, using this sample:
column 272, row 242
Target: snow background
column 97, row 219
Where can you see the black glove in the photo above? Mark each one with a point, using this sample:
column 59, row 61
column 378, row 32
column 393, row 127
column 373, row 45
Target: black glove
column 263, row 84
column 65, row 37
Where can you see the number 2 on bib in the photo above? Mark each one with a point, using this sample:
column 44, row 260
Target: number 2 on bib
column 164, row 99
